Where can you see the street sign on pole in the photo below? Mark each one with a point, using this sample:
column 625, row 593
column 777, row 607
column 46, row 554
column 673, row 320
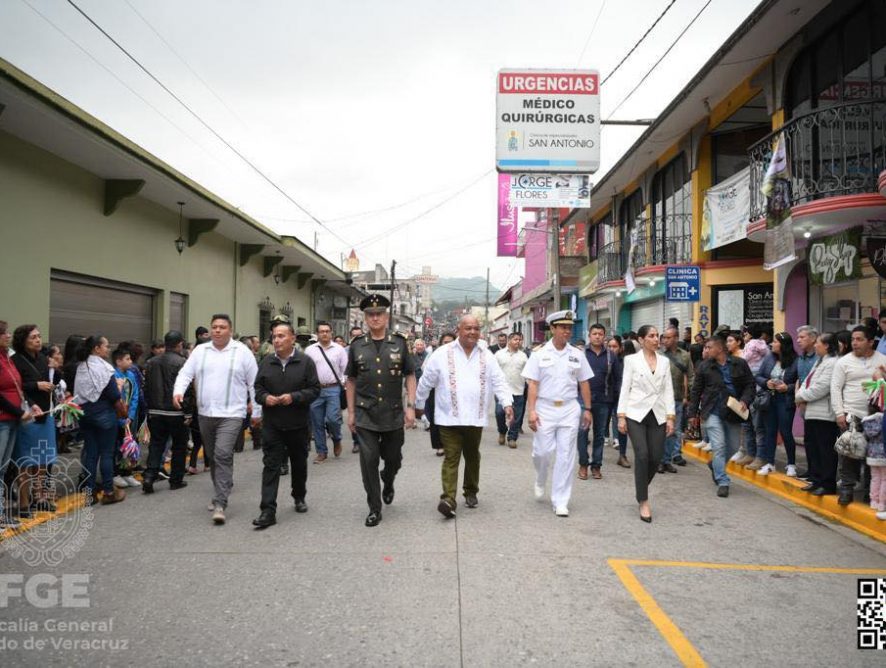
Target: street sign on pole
column 683, row 283
column 548, row 121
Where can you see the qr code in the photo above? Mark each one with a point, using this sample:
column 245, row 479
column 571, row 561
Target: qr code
column 871, row 613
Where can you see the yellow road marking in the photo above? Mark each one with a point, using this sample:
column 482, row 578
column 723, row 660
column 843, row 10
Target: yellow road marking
column 685, row 650
column 64, row 505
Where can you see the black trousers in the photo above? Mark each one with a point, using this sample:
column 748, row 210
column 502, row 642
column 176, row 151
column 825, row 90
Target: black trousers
column 197, row 441
column 277, row 445
column 164, row 427
column 386, row 446
column 820, row 436
column 647, row 439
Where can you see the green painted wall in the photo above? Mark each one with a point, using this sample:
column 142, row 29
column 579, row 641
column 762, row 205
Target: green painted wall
column 51, row 218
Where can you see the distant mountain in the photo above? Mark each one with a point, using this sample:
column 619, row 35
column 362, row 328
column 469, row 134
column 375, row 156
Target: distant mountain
column 457, row 289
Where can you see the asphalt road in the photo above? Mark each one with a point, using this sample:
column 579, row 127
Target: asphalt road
column 507, row 583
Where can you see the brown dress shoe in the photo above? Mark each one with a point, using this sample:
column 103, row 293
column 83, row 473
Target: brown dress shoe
column 582, row 472
column 595, row 473
column 116, row 497
column 512, row 445
column 623, row 462
column 501, row 439
column 319, row 459
column 336, row 449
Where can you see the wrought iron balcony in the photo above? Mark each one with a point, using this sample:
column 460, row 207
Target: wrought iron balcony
column 613, row 258
column 840, row 150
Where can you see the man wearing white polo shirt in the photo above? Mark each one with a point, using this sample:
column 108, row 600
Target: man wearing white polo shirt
column 223, row 372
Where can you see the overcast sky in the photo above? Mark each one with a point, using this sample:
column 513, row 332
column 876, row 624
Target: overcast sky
column 367, row 113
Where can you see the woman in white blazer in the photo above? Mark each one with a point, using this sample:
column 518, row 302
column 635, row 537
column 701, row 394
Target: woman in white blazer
column 646, row 410
column 814, row 393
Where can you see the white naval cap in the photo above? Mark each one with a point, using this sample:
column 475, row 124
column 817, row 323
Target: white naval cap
column 561, row 318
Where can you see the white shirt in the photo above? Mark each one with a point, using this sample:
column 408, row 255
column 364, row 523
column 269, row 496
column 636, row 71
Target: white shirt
column 847, row 395
column 337, row 356
column 464, row 385
column 224, row 379
column 558, row 372
column 512, row 366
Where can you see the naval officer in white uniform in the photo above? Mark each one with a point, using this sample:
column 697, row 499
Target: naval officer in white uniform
column 555, row 374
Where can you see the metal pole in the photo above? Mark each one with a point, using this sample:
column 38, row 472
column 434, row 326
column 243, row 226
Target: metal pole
column 393, row 279
column 486, row 315
column 554, row 223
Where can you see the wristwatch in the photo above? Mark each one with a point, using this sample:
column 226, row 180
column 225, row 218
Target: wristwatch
column 409, row 405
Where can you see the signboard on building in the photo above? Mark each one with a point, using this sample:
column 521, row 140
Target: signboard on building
column 507, row 219
column 877, row 254
column 550, row 190
column 836, row 259
column 548, row 121
column 682, row 283
column 727, row 208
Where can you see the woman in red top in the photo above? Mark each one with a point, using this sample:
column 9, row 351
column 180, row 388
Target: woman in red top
column 12, row 410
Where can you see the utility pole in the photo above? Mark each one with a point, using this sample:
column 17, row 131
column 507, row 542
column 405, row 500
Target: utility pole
column 393, row 279
column 486, row 317
column 554, row 224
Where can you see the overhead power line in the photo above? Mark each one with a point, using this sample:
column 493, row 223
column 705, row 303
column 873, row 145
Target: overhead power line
column 591, row 34
column 639, row 42
column 663, row 56
column 206, row 125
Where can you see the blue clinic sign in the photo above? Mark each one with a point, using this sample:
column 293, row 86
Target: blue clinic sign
column 682, row 283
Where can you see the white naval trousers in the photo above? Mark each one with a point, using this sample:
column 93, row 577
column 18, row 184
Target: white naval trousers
column 555, row 438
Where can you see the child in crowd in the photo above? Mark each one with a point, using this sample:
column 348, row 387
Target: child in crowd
column 876, row 460
column 130, row 393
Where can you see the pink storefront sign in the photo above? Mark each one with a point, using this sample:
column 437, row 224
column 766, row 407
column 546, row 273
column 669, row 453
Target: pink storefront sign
column 507, row 219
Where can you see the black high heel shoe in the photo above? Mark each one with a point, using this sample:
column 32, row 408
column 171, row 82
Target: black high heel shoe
column 647, row 519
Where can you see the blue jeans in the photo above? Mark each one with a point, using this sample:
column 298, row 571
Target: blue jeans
column 514, row 430
column 326, row 414
column 98, row 454
column 725, row 439
column 8, row 430
column 779, row 419
column 753, row 434
column 674, row 442
column 600, row 413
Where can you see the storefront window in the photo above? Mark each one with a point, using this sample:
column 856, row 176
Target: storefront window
column 844, row 305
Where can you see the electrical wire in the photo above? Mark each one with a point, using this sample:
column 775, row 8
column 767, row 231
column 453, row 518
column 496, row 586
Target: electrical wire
column 206, row 125
column 639, row 41
column 590, row 34
column 663, row 56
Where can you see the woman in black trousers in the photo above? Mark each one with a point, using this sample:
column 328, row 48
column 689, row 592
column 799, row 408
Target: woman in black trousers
column 646, row 411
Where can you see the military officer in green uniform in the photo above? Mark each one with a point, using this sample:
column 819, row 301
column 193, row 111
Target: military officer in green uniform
column 377, row 364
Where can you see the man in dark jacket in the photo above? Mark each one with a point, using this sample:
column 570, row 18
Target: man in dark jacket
column 285, row 386
column 165, row 421
column 718, row 378
column 605, row 386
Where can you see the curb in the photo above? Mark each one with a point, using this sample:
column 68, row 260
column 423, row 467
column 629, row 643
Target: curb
column 857, row 516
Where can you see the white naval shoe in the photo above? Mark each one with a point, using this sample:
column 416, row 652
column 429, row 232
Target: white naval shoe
column 738, row 455
column 539, row 492
column 561, row 511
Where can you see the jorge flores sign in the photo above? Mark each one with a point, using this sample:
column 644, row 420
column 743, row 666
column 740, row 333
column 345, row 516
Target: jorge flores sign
column 549, row 190
column 548, row 121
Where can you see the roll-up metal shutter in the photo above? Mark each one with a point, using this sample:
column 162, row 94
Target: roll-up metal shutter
column 85, row 305
column 682, row 311
column 648, row 313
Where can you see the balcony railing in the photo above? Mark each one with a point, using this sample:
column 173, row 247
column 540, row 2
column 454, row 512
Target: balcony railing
column 613, row 258
column 836, row 151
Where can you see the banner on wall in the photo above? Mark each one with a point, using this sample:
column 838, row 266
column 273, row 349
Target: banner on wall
column 778, row 248
column 727, row 208
column 837, row 258
column 507, row 219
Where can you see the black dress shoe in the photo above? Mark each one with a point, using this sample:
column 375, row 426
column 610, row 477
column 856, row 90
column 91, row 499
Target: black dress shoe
column 471, row 500
column 723, row 491
column 301, row 506
column 177, row 484
column 846, row 497
column 148, row 486
column 373, row 518
column 669, row 468
column 809, row 487
column 821, row 491
column 679, row 460
column 661, row 468
column 387, row 494
column 264, row 520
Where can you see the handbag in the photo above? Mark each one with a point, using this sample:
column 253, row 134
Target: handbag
column 342, row 397
column 852, row 443
column 763, row 401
